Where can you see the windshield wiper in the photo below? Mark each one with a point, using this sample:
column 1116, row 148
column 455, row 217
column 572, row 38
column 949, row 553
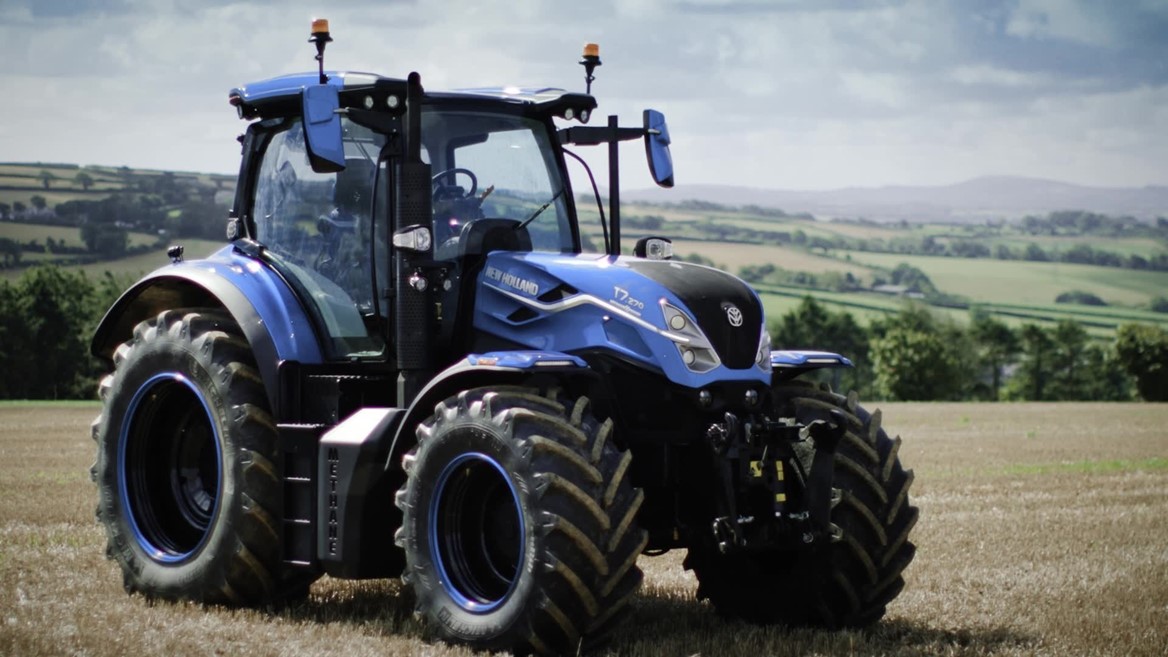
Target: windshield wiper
column 541, row 208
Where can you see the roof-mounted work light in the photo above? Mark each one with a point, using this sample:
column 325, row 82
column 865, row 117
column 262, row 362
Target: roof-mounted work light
column 590, row 61
column 320, row 36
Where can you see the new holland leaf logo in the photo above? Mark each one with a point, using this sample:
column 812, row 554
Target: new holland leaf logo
column 733, row 315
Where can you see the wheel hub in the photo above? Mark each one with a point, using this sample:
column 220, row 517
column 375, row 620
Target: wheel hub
column 169, row 468
column 477, row 532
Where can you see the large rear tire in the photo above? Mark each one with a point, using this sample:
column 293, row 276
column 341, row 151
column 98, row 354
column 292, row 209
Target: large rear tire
column 188, row 467
column 850, row 581
column 519, row 522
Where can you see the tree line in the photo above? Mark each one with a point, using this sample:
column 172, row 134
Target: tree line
column 915, row 355
column 46, row 320
column 48, row 316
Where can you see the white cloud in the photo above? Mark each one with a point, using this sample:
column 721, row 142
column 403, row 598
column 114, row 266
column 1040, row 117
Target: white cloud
column 1081, row 22
column 997, row 77
column 790, row 94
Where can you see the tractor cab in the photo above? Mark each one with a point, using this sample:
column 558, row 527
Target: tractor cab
column 365, row 192
column 495, row 182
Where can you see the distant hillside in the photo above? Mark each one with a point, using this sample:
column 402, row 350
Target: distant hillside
column 974, row 200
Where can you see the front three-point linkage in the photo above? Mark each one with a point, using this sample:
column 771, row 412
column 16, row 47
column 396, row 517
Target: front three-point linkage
column 753, row 507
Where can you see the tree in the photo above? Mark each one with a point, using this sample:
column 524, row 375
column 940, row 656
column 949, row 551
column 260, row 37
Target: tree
column 106, row 239
column 915, row 365
column 1035, row 253
column 1108, row 380
column 1080, row 297
column 1030, row 380
column 915, row 356
column 1142, row 349
column 38, row 202
column 12, row 336
column 812, row 326
column 199, row 219
column 913, row 279
column 47, row 356
column 47, row 177
column 83, row 179
column 4, row 210
column 997, row 345
column 1070, row 371
column 10, row 250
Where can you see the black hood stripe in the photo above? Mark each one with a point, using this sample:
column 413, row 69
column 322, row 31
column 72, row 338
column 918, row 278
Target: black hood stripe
column 709, row 294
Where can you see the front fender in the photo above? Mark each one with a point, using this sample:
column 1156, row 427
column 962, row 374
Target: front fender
column 474, row 371
column 787, row 365
column 272, row 319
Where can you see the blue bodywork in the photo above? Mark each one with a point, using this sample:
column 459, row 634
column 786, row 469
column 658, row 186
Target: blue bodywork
column 613, row 308
column 807, row 359
column 269, row 314
column 287, row 86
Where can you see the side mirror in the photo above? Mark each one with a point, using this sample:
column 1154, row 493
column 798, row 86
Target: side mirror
column 322, row 128
column 657, row 148
column 654, row 248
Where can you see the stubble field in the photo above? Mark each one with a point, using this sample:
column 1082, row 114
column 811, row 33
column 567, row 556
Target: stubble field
column 1044, row 530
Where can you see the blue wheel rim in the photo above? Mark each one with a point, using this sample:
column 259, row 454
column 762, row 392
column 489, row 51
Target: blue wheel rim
column 477, row 534
column 169, row 468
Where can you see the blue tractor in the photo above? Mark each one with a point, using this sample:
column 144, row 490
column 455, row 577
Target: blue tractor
column 408, row 361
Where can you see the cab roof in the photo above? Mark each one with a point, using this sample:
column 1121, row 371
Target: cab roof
column 280, row 96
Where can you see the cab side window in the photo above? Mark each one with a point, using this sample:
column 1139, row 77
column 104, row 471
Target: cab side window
column 317, row 227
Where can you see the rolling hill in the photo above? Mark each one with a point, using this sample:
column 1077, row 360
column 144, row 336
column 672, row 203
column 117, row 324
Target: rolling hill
column 990, row 197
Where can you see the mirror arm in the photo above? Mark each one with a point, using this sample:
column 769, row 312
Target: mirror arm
column 596, row 135
column 614, row 247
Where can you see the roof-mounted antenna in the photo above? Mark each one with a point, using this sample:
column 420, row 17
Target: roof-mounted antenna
column 320, row 36
column 590, row 62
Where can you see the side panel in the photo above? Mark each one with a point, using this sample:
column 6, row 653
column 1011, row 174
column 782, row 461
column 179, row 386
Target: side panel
column 271, row 317
column 356, row 518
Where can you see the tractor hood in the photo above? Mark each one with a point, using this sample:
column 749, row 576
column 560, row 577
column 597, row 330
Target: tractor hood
column 690, row 321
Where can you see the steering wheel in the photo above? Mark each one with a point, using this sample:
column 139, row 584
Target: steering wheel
column 437, row 185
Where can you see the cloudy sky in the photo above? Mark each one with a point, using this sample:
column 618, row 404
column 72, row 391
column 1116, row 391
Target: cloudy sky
column 813, row 94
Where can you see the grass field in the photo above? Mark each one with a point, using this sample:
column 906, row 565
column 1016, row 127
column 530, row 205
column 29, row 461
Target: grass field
column 1043, row 531
column 132, row 266
column 1020, row 282
column 23, row 181
column 67, row 235
column 735, row 255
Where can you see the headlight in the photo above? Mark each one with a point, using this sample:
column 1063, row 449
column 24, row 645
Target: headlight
column 763, row 359
column 692, row 345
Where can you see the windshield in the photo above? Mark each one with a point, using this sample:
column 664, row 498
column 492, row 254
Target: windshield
column 495, row 166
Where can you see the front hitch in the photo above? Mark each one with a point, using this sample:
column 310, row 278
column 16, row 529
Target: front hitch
column 826, row 437
column 723, row 440
column 751, row 505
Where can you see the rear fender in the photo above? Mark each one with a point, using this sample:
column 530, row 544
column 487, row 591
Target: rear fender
column 787, row 365
column 477, row 370
column 271, row 317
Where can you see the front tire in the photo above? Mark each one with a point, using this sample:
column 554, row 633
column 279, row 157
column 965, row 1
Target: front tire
column 850, row 581
column 519, row 522
column 187, row 464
